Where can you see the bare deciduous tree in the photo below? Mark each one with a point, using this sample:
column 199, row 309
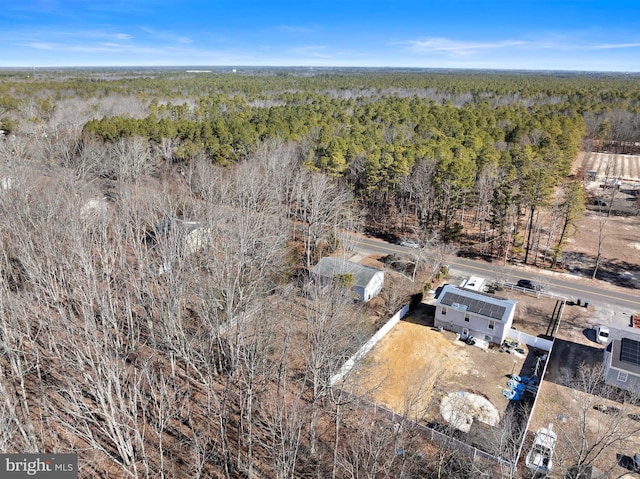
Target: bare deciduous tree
column 595, row 433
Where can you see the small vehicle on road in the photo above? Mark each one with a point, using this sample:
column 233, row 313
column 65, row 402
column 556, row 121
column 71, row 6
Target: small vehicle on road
column 410, row 243
column 528, row 284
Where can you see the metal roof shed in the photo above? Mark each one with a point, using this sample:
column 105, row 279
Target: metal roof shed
column 367, row 281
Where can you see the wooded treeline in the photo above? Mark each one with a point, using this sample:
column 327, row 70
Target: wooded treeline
column 157, row 229
column 478, row 163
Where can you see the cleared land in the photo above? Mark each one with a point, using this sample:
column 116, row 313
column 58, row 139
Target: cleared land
column 626, row 167
column 415, row 367
column 618, row 226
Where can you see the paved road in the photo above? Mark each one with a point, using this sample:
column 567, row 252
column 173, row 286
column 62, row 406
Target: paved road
column 613, row 304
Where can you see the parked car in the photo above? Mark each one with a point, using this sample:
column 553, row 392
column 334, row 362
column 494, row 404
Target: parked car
column 600, row 202
column 636, row 461
column 528, row 284
column 602, row 334
column 410, row 244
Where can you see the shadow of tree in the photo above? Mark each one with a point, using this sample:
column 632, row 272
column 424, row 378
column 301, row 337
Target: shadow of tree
column 610, row 270
column 423, row 314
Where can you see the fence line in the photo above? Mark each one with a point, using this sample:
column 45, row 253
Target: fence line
column 530, row 340
column 430, row 433
column 348, row 365
column 533, row 407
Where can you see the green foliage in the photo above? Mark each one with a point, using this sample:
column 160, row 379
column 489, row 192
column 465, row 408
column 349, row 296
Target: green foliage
column 345, row 280
column 572, row 207
column 371, row 129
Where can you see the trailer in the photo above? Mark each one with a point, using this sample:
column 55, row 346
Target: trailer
column 473, row 283
column 539, row 458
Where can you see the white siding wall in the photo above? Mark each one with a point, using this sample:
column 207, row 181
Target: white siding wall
column 374, row 287
column 454, row 320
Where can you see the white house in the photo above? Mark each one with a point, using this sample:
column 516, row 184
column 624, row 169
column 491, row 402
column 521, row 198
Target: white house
column 367, row 281
column 471, row 313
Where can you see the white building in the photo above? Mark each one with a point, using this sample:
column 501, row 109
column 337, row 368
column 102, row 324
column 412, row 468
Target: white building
column 471, row 313
column 367, row 281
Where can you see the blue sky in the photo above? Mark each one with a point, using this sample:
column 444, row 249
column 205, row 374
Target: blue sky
column 586, row 35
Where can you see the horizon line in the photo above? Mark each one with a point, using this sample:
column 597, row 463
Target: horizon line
column 313, row 67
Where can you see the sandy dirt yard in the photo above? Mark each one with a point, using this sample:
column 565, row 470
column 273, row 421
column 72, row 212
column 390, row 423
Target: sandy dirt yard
column 414, row 367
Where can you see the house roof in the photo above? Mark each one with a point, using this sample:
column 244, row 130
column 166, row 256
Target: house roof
column 475, row 302
column 330, row 266
column 625, row 349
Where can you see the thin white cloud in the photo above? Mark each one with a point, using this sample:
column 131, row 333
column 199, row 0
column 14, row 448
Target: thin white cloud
column 453, row 47
column 458, row 47
column 99, row 47
column 166, row 36
column 24, row 36
column 172, row 54
column 612, row 46
column 39, row 45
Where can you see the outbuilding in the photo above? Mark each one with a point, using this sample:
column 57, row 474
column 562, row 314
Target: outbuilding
column 367, row 281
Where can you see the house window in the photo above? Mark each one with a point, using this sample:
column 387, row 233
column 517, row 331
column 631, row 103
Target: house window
column 444, row 311
column 467, row 316
column 492, row 324
column 622, row 376
column 487, row 337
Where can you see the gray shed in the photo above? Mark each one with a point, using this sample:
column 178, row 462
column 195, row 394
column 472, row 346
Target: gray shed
column 367, row 281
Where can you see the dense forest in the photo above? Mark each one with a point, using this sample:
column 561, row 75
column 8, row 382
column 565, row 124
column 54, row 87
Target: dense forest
column 158, row 227
column 472, row 155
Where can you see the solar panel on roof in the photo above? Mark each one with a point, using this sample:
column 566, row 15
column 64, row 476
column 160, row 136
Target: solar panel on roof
column 630, row 351
column 473, row 305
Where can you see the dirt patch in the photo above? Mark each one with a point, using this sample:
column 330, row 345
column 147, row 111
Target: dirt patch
column 573, row 417
column 461, row 408
column 414, row 367
column 402, row 371
column 615, row 226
